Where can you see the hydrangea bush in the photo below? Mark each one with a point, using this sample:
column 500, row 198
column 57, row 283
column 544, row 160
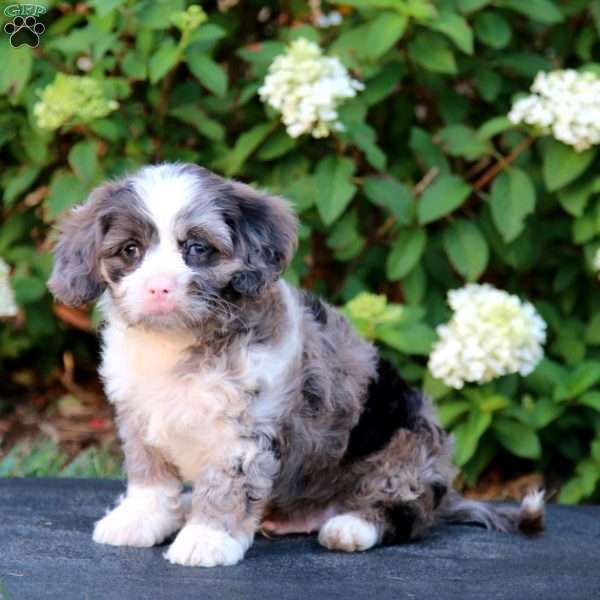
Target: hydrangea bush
column 442, row 157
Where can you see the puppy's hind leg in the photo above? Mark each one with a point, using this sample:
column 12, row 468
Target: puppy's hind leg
column 351, row 532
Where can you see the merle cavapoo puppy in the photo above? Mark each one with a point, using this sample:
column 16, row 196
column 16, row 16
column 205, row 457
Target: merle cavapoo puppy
column 260, row 395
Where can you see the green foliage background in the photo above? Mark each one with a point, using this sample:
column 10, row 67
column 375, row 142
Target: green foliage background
column 428, row 186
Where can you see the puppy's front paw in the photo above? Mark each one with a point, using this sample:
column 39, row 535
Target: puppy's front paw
column 138, row 521
column 203, row 546
column 348, row 533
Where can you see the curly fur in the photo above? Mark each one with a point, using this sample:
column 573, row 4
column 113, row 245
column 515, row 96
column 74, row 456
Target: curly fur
column 262, row 396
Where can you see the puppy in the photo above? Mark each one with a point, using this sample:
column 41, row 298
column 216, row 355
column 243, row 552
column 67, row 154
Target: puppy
column 260, row 395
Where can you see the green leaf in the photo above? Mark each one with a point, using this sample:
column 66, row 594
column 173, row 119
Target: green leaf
column 527, row 64
column 28, row 289
column 194, row 115
column 392, row 195
column 492, row 29
column 414, row 286
column 517, row 438
column 103, row 7
column 383, row 83
column 448, row 412
column 562, row 164
column 66, row 190
column 163, row 60
column 246, row 145
column 592, row 331
column 574, row 198
column 83, row 158
column 16, row 67
column 571, row 492
column 427, row 152
column 406, row 251
column 435, row 388
column 492, row 403
column 155, row 15
column 468, row 6
column 493, row 127
column 584, row 228
column 335, row 190
column 433, row 53
column 134, row 65
column 260, row 56
column 512, row 198
column 545, row 411
column 488, row 83
column 543, row 11
column 415, row 338
column 208, row 72
column 364, row 137
column 466, row 248
column 384, row 31
column 468, row 434
column 456, row 28
column 580, row 380
column 19, row 181
column 462, row 140
column 445, row 195
column 591, row 399
column 277, row 145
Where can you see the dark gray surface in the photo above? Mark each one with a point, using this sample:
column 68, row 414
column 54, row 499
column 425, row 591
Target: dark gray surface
column 46, row 551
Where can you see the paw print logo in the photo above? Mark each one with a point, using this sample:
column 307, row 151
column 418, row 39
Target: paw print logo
column 24, row 31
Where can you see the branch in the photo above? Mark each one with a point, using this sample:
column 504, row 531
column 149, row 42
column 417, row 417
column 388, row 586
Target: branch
column 503, row 163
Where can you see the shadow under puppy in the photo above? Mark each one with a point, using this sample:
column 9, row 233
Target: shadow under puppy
column 259, row 394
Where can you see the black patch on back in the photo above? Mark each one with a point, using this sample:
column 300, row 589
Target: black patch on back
column 316, row 307
column 400, row 522
column 391, row 405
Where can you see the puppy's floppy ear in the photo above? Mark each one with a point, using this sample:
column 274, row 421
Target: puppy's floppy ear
column 264, row 231
column 76, row 279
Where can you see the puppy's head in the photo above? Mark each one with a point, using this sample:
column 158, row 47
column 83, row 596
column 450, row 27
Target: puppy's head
column 174, row 245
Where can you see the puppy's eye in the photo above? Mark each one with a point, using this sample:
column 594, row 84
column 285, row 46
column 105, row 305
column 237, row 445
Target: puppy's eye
column 197, row 248
column 131, row 251
column 197, row 253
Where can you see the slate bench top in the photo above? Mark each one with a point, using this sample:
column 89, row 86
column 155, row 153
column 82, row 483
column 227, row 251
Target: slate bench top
column 46, row 551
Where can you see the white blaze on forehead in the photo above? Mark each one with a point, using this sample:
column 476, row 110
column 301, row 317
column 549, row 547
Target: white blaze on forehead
column 165, row 190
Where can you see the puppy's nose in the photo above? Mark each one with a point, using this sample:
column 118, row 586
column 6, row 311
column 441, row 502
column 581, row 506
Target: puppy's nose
column 160, row 287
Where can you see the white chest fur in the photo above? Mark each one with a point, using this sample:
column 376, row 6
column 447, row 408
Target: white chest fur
column 192, row 412
column 188, row 414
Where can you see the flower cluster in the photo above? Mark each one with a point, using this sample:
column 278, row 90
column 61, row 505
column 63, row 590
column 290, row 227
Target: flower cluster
column 565, row 104
column 306, row 87
column 367, row 311
column 491, row 333
column 8, row 307
column 373, row 307
column 71, row 98
column 189, row 19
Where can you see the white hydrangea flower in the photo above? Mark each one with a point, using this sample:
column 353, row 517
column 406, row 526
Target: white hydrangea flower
column 564, row 103
column 491, row 333
column 306, row 87
column 8, row 307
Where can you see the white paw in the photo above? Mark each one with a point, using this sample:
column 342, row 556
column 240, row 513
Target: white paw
column 348, row 533
column 203, row 546
column 141, row 520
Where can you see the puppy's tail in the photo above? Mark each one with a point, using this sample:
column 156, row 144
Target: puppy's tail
column 527, row 518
